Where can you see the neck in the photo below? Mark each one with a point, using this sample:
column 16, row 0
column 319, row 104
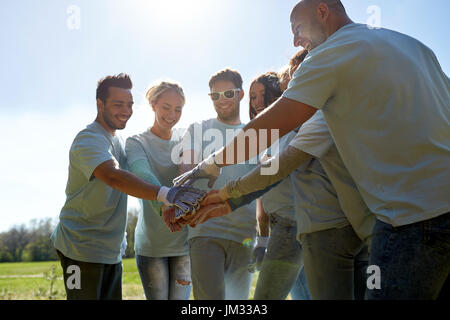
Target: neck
column 232, row 122
column 164, row 134
column 340, row 22
column 101, row 122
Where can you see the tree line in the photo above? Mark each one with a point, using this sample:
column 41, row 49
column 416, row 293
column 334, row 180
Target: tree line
column 31, row 242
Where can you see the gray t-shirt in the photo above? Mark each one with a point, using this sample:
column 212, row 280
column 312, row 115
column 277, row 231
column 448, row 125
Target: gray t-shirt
column 150, row 158
column 204, row 138
column 386, row 101
column 93, row 219
column 315, row 138
column 316, row 204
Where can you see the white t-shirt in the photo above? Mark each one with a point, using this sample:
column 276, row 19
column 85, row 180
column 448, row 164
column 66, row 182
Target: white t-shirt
column 386, row 102
column 315, row 138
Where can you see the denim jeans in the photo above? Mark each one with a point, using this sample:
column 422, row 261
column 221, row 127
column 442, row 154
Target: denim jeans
column 329, row 259
column 414, row 260
column 220, row 269
column 282, row 263
column 161, row 277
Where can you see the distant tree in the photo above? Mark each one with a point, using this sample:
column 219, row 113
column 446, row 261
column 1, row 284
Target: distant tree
column 15, row 241
column 5, row 255
column 32, row 243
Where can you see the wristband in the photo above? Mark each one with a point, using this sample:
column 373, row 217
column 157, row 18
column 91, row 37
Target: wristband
column 261, row 242
column 162, row 195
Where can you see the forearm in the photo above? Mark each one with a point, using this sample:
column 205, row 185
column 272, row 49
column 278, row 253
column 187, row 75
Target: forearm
column 281, row 117
column 236, row 203
column 263, row 219
column 286, row 162
column 132, row 185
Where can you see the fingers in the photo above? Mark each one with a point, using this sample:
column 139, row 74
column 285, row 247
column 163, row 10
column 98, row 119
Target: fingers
column 170, row 220
column 181, row 179
column 210, row 211
column 211, row 198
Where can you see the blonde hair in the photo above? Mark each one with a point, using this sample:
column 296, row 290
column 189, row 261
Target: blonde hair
column 155, row 91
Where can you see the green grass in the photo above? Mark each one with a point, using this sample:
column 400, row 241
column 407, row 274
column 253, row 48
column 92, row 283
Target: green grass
column 27, row 281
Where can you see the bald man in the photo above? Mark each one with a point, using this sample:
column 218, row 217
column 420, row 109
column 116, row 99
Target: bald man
column 386, row 101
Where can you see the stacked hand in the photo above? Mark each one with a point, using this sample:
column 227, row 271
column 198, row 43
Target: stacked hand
column 207, row 169
column 183, row 200
column 214, row 205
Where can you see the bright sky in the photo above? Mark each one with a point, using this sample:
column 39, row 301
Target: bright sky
column 54, row 52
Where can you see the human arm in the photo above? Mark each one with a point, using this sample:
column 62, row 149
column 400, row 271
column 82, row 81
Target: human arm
column 262, row 238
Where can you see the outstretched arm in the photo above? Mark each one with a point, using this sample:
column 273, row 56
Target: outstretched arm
column 246, row 189
column 284, row 115
column 281, row 117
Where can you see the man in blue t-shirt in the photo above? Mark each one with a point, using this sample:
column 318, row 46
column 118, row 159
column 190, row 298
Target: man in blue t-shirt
column 92, row 224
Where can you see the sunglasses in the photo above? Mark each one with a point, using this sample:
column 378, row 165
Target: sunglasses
column 229, row 94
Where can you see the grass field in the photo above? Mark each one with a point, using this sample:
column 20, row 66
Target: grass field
column 43, row 281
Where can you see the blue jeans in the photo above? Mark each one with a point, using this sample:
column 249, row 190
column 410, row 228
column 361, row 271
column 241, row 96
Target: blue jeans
column 329, row 258
column 414, row 260
column 300, row 289
column 282, row 263
column 165, row 278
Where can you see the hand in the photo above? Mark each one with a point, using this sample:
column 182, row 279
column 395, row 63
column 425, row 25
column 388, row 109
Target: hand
column 213, row 206
column 186, row 200
column 207, row 169
column 215, row 196
column 258, row 254
column 173, row 223
column 170, row 220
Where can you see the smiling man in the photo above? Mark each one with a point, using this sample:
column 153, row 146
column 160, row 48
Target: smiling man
column 93, row 219
column 385, row 99
column 219, row 256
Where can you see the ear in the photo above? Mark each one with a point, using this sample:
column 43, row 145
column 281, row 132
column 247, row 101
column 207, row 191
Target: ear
column 323, row 12
column 241, row 94
column 100, row 105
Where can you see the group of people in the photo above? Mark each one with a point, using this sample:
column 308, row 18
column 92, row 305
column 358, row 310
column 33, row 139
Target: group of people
column 362, row 179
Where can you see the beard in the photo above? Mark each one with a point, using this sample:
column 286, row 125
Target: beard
column 228, row 115
column 320, row 34
column 112, row 123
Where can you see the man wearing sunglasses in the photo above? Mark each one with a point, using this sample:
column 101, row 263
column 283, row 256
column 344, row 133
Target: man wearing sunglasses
column 220, row 248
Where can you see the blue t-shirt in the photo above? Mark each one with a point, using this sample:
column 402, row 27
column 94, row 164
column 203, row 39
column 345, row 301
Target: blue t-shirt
column 152, row 159
column 93, row 219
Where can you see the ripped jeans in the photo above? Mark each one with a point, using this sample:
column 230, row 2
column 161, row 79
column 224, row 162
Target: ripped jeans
column 165, row 278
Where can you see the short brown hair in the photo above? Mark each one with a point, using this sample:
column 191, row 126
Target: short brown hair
column 122, row 80
column 227, row 75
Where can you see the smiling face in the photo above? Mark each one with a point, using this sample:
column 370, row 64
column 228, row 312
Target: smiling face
column 117, row 109
column 308, row 25
column 257, row 94
column 227, row 108
column 168, row 109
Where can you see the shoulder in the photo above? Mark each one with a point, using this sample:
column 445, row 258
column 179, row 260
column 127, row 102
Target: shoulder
column 89, row 137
